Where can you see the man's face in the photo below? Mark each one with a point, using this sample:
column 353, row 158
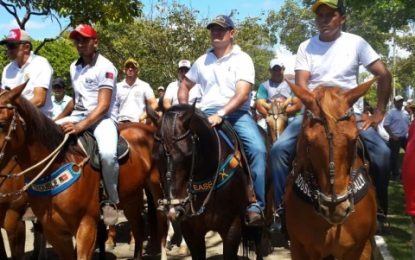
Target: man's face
column 85, row 46
column 59, row 92
column 329, row 22
column 277, row 73
column 16, row 50
column 398, row 104
column 221, row 36
column 130, row 71
column 182, row 72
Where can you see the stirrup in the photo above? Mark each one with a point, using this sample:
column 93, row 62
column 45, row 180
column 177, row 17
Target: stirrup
column 109, row 212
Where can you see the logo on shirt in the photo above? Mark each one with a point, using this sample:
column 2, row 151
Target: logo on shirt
column 109, row 75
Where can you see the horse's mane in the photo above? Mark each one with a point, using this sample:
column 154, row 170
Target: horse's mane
column 38, row 125
column 181, row 108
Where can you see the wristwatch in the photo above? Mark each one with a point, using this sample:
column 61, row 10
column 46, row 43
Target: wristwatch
column 221, row 113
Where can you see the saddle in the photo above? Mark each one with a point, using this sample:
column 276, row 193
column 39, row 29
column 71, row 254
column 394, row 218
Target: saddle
column 89, row 145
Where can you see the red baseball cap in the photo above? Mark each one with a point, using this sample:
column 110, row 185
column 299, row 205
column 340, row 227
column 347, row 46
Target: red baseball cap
column 16, row 35
column 84, row 30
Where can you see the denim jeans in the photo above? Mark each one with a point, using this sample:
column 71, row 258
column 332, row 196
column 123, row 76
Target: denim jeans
column 254, row 148
column 106, row 133
column 283, row 152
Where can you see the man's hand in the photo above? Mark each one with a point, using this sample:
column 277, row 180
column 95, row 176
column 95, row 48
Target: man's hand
column 373, row 120
column 215, row 120
column 71, row 128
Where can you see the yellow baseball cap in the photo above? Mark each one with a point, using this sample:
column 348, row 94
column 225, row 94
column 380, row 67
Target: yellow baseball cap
column 335, row 4
column 131, row 61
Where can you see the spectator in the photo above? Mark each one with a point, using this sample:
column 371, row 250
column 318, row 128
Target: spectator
column 133, row 95
column 161, row 91
column 62, row 103
column 396, row 124
column 27, row 65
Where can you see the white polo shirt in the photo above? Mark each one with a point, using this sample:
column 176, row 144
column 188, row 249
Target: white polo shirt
column 173, row 88
column 335, row 63
column 38, row 69
column 88, row 80
column 218, row 77
column 131, row 100
column 59, row 106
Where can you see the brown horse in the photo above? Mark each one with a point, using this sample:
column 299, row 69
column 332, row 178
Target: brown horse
column 40, row 149
column 277, row 118
column 203, row 178
column 330, row 201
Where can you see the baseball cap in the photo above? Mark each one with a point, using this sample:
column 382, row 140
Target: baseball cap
column 58, row 82
column 16, row 35
column 160, row 88
column 222, row 20
column 275, row 62
column 335, row 4
column 131, row 61
column 398, row 98
column 185, row 64
column 84, row 30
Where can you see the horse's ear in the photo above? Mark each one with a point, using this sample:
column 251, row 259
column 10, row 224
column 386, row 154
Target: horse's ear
column 189, row 113
column 303, row 94
column 153, row 115
column 17, row 91
column 354, row 94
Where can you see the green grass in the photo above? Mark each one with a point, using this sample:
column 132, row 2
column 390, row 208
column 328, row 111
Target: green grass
column 398, row 234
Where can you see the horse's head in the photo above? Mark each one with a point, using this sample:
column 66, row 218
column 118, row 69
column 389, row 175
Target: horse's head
column 12, row 134
column 175, row 150
column 327, row 147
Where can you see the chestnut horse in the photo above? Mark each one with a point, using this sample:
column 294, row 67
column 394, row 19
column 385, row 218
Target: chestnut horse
column 277, row 118
column 204, row 180
column 40, row 148
column 330, row 201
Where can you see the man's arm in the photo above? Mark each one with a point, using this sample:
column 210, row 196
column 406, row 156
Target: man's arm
column 104, row 101
column 183, row 93
column 384, row 89
column 39, row 96
column 67, row 110
column 167, row 103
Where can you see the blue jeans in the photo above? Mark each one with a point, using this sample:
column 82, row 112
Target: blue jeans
column 106, row 133
column 283, row 152
column 254, row 148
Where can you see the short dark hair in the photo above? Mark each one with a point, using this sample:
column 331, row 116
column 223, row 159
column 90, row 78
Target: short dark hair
column 58, row 83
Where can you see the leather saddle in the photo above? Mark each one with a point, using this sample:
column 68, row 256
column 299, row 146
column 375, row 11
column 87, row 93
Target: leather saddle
column 88, row 143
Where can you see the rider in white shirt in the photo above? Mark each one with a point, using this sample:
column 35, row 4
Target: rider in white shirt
column 27, row 65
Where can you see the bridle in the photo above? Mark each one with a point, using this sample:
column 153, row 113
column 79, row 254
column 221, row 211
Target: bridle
column 276, row 116
column 180, row 204
column 322, row 200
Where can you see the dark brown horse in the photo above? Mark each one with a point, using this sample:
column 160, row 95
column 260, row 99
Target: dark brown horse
column 204, row 181
column 40, row 149
column 330, row 200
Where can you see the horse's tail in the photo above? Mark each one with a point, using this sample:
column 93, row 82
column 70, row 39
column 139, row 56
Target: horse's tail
column 252, row 241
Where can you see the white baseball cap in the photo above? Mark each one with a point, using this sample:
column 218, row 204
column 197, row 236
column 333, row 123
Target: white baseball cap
column 275, row 62
column 398, row 98
column 184, row 64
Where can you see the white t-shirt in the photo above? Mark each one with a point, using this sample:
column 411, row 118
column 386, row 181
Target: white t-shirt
column 38, row 69
column 335, row 63
column 218, row 77
column 173, row 88
column 59, row 106
column 88, row 80
column 131, row 100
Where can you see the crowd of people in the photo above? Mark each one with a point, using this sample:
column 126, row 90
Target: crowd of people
column 220, row 83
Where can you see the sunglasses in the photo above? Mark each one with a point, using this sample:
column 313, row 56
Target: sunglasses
column 13, row 45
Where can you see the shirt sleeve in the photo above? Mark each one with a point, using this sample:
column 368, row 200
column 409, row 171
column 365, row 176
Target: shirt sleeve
column 388, row 119
column 107, row 77
column 246, row 69
column 44, row 77
column 301, row 62
column 366, row 53
column 262, row 92
column 169, row 91
column 148, row 92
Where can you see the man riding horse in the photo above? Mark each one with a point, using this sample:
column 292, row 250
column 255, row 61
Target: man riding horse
column 226, row 75
column 333, row 57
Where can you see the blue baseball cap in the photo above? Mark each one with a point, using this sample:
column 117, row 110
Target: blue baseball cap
column 223, row 21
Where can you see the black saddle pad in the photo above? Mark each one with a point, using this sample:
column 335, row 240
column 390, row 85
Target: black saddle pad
column 90, row 146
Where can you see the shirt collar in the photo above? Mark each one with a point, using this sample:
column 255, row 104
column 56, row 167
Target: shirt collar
column 93, row 62
column 235, row 50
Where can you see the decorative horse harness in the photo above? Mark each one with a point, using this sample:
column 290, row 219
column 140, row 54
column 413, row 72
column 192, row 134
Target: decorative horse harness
column 305, row 184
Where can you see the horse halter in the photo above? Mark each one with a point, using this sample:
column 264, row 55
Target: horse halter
column 12, row 128
column 333, row 199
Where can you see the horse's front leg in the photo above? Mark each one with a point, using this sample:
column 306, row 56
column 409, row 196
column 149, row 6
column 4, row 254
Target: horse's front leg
column 231, row 237
column 86, row 236
column 16, row 233
column 195, row 240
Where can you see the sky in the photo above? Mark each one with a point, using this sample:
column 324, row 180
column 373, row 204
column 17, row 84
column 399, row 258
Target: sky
column 41, row 27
